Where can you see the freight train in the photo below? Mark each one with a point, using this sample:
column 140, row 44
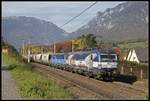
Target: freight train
column 98, row 64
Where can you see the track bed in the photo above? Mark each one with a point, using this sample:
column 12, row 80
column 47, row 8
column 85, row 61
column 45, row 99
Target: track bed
column 82, row 87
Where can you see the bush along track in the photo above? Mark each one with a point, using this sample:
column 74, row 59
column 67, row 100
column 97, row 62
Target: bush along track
column 32, row 85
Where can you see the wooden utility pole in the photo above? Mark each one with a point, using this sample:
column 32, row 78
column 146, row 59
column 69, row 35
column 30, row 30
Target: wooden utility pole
column 141, row 74
column 41, row 50
column 54, row 48
column 131, row 69
column 72, row 45
column 90, row 62
column 29, row 52
column 23, row 48
column 122, row 70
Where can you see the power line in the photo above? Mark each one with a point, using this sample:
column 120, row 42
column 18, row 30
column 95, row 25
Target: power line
column 79, row 14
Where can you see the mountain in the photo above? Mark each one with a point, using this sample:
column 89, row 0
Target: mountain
column 15, row 29
column 128, row 20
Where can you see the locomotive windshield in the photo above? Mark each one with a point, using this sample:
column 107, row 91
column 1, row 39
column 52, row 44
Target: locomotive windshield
column 109, row 58
column 80, row 56
column 83, row 56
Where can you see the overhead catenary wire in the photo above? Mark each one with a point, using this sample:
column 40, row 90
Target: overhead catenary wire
column 78, row 14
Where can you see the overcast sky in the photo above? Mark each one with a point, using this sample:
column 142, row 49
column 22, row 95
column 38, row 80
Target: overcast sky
column 56, row 12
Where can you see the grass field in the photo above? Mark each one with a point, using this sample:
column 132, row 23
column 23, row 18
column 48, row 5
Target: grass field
column 143, row 44
column 33, row 85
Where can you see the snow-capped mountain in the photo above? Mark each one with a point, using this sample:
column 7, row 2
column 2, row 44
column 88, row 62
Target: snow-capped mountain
column 128, row 20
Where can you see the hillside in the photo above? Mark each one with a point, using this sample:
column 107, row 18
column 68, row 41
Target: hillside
column 18, row 28
column 128, row 20
column 133, row 45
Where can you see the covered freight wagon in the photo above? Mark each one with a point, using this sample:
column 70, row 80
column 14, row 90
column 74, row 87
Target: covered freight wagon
column 46, row 57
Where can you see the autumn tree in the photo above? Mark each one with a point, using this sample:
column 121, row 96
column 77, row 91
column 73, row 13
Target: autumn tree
column 86, row 42
column 119, row 53
column 67, row 46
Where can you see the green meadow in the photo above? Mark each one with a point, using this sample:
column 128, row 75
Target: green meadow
column 31, row 85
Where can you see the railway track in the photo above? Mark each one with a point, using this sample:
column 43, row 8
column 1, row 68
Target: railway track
column 87, row 88
column 79, row 92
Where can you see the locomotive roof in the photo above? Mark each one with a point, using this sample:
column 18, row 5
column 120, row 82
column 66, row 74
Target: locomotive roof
column 80, row 52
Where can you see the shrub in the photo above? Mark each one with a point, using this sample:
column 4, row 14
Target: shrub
column 31, row 84
column 128, row 64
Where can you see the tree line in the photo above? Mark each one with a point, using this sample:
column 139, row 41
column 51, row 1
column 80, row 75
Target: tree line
column 81, row 43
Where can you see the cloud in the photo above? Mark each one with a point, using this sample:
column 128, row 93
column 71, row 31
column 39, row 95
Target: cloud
column 56, row 12
column 27, row 6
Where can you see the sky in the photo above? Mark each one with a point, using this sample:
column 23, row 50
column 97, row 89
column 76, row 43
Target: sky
column 57, row 12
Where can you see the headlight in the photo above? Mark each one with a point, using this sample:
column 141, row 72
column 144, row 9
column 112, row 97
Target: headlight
column 114, row 72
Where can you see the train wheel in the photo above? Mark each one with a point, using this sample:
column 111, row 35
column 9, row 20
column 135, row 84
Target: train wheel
column 91, row 75
column 73, row 71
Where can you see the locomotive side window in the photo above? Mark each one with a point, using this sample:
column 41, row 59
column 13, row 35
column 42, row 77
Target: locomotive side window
column 96, row 59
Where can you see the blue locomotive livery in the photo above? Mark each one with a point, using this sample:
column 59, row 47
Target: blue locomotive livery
column 58, row 59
